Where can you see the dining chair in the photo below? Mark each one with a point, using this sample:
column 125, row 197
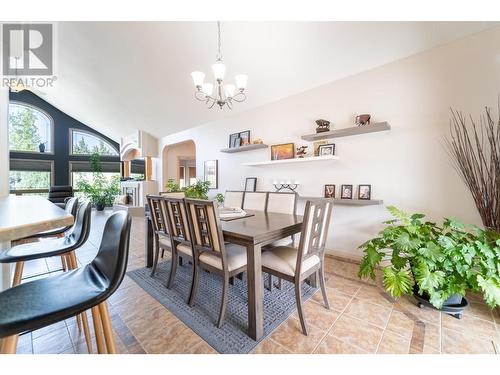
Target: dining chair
column 209, row 250
column 233, row 198
column 255, row 200
column 59, row 193
column 40, row 303
column 297, row 264
column 160, row 227
column 169, row 194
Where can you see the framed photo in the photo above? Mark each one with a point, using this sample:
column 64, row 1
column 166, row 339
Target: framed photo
column 251, row 184
column 245, row 138
column 232, row 140
column 329, row 191
column 210, row 173
column 316, row 146
column 328, row 149
column 283, row 151
column 365, row 192
column 346, row 191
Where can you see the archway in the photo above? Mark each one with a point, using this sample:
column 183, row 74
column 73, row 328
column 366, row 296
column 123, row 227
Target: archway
column 179, row 163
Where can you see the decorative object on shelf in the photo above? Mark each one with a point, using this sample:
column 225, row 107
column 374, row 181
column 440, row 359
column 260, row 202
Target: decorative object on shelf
column 328, row 149
column 211, row 173
column 323, row 126
column 475, row 154
column 251, row 184
column 41, row 147
column 245, row 138
column 234, row 140
column 283, row 151
column 316, row 146
column 363, row 119
column 224, row 94
column 374, row 127
column 301, row 151
column 364, row 192
column 258, row 141
column 329, row 191
column 286, row 185
column 346, row 191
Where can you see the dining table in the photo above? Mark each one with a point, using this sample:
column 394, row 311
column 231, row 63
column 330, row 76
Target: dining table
column 254, row 231
column 23, row 216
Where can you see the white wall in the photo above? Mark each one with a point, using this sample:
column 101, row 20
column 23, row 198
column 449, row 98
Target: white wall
column 407, row 166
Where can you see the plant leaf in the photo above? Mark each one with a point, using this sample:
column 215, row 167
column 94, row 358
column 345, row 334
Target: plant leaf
column 397, row 282
column 491, row 290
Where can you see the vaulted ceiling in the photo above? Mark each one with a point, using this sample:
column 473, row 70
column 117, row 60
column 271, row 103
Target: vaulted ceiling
column 122, row 76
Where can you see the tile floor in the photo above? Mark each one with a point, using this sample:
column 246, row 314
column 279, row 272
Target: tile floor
column 362, row 319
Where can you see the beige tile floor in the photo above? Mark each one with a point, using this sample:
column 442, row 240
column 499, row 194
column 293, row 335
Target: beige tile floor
column 362, row 319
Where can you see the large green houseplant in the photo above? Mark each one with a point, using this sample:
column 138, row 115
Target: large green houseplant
column 442, row 261
column 99, row 190
column 198, row 190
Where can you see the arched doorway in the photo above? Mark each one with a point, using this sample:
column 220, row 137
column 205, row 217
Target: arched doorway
column 179, row 163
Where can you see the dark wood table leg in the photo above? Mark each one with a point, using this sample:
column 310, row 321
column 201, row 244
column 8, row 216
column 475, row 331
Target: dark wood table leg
column 255, row 292
column 148, row 246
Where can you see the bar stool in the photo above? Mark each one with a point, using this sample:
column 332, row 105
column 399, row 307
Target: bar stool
column 43, row 302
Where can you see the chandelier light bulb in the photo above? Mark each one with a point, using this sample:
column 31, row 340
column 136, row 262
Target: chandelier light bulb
column 208, row 89
column 229, row 90
column 198, row 78
column 219, row 70
column 241, row 81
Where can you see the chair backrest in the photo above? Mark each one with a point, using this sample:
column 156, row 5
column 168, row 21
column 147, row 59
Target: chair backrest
column 158, row 213
column 317, row 216
column 79, row 232
column 71, row 206
column 111, row 259
column 177, row 194
column 282, row 203
column 206, row 229
column 177, row 220
column 255, row 201
column 58, row 193
column 233, row 198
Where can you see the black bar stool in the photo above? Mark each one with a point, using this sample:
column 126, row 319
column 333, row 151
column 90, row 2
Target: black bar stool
column 43, row 302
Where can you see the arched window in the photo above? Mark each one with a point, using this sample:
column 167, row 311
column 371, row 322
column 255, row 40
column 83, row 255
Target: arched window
column 30, row 129
column 84, row 143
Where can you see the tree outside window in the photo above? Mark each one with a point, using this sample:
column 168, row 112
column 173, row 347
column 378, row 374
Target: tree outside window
column 29, row 129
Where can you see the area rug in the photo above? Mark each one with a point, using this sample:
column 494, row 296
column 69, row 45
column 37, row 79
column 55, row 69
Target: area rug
column 201, row 318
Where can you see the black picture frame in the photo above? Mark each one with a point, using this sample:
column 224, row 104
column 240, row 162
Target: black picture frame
column 251, row 184
column 232, row 138
column 329, row 191
column 245, row 138
column 328, row 146
column 345, row 191
column 365, row 196
column 211, row 173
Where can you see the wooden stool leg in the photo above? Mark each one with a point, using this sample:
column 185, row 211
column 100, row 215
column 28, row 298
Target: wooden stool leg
column 96, row 317
column 9, row 345
column 106, row 325
column 63, row 263
column 86, row 330
column 18, row 273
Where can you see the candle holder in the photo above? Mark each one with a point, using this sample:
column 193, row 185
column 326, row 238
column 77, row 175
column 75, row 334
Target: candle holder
column 288, row 185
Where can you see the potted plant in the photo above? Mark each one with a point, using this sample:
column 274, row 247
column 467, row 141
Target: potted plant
column 220, row 199
column 438, row 264
column 100, row 191
column 198, row 190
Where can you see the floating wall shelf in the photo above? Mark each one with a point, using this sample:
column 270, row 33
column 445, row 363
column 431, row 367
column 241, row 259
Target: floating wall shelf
column 296, row 160
column 351, row 202
column 244, row 148
column 346, row 132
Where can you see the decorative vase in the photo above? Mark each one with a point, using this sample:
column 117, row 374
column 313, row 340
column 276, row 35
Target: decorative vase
column 99, row 207
column 41, row 147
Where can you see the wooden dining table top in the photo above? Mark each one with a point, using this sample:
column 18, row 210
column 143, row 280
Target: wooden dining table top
column 22, row 216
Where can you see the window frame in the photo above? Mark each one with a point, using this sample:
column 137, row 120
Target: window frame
column 52, row 129
column 24, row 191
column 71, row 130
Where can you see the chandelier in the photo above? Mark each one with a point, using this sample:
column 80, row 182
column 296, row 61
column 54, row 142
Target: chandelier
column 224, row 94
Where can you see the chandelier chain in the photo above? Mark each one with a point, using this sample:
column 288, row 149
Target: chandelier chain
column 219, row 54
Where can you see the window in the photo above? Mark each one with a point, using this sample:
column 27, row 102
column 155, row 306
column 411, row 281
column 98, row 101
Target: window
column 82, row 170
column 30, row 129
column 30, row 174
column 83, row 143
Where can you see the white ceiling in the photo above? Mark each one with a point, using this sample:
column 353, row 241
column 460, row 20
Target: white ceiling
column 122, row 76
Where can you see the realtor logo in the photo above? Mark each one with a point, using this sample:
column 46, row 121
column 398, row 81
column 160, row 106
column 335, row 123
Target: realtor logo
column 27, row 49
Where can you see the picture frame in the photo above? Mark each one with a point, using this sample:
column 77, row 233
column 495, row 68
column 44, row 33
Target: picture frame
column 365, row 192
column 210, row 173
column 283, row 151
column 245, row 138
column 232, row 138
column 251, row 184
column 236, row 142
column 346, row 192
column 328, row 149
column 316, row 146
column 329, row 191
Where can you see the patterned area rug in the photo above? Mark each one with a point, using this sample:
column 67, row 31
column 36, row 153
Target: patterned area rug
column 201, row 318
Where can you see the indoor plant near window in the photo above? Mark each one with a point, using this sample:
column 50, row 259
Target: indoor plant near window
column 436, row 263
column 100, row 191
column 198, row 190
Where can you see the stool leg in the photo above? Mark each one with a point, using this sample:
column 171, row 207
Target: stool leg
column 63, row 263
column 106, row 325
column 18, row 273
column 86, row 331
column 96, row 317
column 9, row 345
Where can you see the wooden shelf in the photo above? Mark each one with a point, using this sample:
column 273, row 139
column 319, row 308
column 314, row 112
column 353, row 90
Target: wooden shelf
column 295, row 160
column 244, row 148
column 346, row 132
column 351, row 202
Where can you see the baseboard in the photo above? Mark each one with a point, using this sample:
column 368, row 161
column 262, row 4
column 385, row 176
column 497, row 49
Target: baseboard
column 344, row 255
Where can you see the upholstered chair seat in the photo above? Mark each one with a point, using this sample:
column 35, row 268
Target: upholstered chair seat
column 236, row 257
column 185, row 249
column 284, row 260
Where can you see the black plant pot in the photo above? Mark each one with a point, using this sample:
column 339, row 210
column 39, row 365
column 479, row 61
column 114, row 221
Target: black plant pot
column 99, row 207
column 454, row 305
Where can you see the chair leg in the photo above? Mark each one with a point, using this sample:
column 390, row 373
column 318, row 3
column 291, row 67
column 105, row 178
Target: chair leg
column 157, row 254
column 173, row 268
column 18, row 273
column 106, row 325
column 194, row 284
column 298, row 299
column 240, row 276
column 269, row 282
column 322, row 285
column 96, row 317
column 9, row 345
column 231, row 280
column 86, row 331
column 63, row 263
column 223, row 302
column 181, row 261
